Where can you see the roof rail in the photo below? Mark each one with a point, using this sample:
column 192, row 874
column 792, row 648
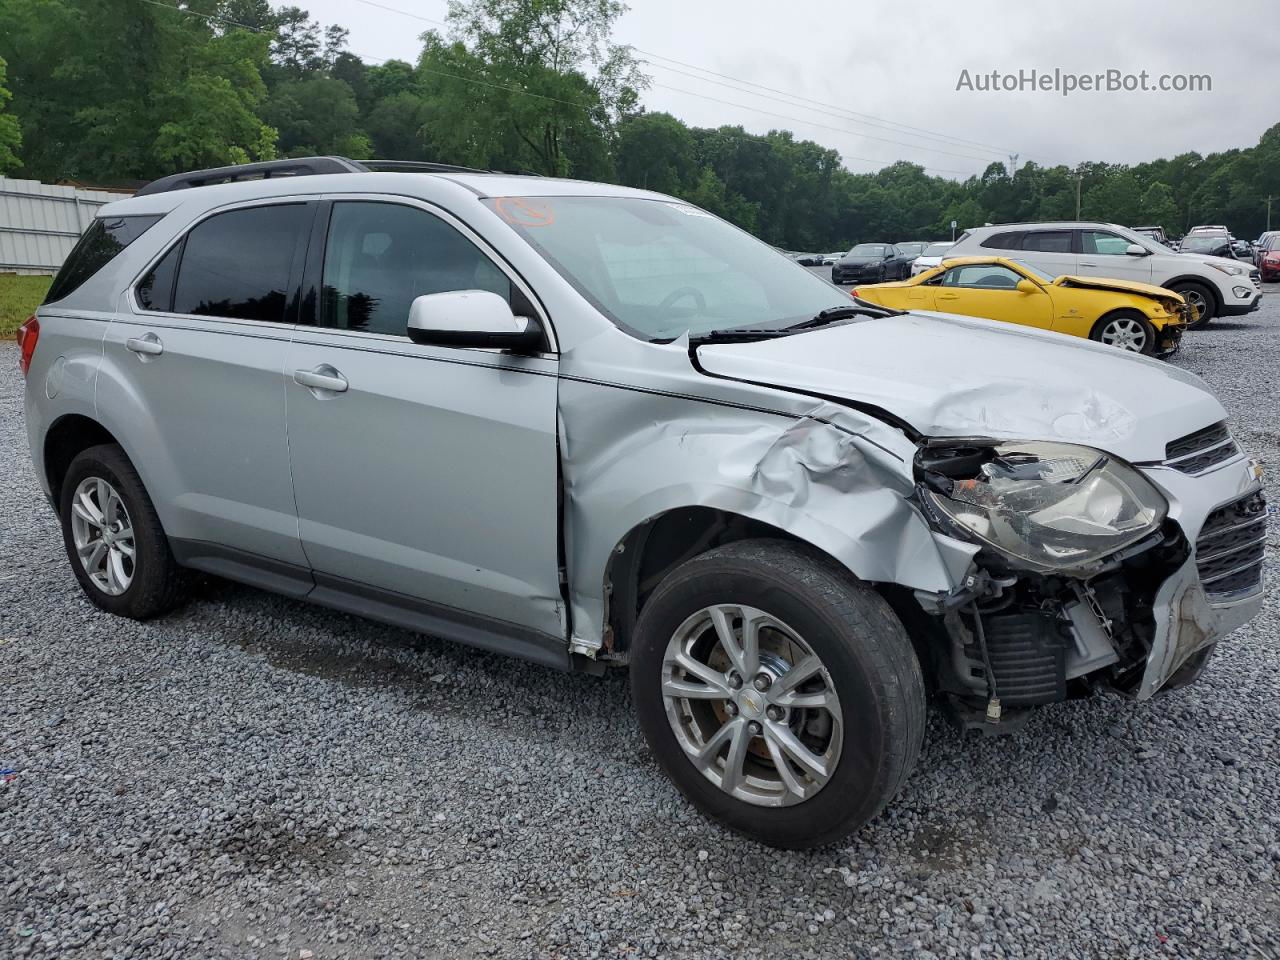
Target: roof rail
column 298, row 167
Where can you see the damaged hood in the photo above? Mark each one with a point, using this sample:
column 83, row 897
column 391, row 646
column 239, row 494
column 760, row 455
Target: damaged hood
column 1122, row 286
column 947, row 375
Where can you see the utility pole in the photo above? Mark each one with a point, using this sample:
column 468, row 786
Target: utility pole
column 1079, row 180
column 1269, row 199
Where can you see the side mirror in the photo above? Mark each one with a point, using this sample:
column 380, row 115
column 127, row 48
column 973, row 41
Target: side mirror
column 470, row 318
column 1026, row 286
column 1136, row 250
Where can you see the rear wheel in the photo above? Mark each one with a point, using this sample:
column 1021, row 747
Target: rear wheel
column 117, row 548
column 782, row 696
column 1127, row 330
column 1200, row 300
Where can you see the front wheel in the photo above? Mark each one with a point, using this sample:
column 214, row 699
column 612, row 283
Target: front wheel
column 781, row 696
column 1127, row 330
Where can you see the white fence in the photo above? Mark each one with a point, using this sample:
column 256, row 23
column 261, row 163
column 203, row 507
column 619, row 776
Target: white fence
column 40, row 223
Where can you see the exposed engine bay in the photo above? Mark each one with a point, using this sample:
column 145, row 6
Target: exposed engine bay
column 1075, row 546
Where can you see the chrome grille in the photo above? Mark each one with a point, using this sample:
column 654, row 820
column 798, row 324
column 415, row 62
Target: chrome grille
column 1197, row 452
column 1231, row 547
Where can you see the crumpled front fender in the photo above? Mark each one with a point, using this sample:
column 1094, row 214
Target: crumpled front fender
column 831, row 476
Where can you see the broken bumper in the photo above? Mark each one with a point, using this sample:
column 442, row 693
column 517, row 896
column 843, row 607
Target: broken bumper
column 1194, row 609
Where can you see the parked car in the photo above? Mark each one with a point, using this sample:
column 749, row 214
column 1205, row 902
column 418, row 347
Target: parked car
column 1131, row 316
column 830, row 259
column 1215, row 286
column 1269, row 257
column 1209, row 245
column 931, row 256
column 810, row 259
column 871, row 262
column 1155, row 233
column 911, row 249
column 496, row 409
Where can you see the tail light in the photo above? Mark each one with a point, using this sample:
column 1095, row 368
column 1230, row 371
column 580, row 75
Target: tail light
column 28, row 334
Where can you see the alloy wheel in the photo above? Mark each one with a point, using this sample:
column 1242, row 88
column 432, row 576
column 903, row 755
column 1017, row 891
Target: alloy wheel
column 752, row 706
column 103, row 535
column 1125, row 333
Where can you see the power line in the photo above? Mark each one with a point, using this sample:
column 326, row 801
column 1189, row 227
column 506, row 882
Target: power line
column 528, row 93
column 865, row 136
column 893, row 125
column 867, row 119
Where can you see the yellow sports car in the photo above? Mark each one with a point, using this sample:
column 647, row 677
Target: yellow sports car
column 1133, row 316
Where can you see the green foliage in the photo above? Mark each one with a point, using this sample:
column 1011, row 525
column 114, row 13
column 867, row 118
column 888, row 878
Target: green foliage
column 19, row 297
column 10, row 133
column 520, row 85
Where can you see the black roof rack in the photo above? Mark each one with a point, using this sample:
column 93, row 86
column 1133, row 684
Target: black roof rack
column 298, row 167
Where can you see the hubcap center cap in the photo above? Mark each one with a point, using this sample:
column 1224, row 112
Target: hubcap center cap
column 751, row 704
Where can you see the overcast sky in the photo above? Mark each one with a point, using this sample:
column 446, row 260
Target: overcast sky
column 897, row 64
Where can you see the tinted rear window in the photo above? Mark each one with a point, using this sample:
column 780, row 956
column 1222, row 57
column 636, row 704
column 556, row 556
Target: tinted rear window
column 97, row 246
column 1004, row 241
column 237, row 264
column 1048, row 241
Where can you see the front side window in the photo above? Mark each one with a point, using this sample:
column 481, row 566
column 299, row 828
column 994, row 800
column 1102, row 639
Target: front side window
column 1048, row 241
column 236, row 264
column 1103, row 242
column 105, row 239
column 380, row 256
column 983, row 276
column 658, row 269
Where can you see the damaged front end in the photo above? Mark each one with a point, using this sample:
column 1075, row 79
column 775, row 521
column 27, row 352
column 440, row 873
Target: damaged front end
column 1082, row 578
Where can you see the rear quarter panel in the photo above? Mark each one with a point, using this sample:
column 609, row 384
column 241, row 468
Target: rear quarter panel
column 62, row 380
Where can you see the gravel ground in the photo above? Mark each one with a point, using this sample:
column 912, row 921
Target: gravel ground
column 255, row 777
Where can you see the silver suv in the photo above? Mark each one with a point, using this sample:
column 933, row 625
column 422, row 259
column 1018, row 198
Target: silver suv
column 592, row 426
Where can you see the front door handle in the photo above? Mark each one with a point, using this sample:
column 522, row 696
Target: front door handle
column 1087, row 263
column 323, row 377
column 948, row 296
column 147, row 345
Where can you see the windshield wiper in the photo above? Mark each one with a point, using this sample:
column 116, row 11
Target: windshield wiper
column 819, row 319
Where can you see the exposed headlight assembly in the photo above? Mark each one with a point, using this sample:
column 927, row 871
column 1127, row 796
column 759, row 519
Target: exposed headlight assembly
column 1232, row 271
column 1051, row 507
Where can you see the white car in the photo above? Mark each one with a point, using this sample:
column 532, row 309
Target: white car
column 931, row 256
column 1215, row 286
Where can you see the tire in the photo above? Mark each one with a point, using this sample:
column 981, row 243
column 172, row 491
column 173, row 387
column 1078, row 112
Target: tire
column 1126, row 327
column 867, row 662
column 1197, row 294
column 155, row 583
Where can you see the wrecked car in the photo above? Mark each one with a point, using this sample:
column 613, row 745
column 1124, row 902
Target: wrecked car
column 593, row 426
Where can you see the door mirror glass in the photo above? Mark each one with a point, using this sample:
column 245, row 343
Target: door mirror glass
column 470, row 318
column 1135, row 250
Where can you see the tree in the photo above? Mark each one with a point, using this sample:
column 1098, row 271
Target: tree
column 297, row 45
column 10, row 133
column 316, row 114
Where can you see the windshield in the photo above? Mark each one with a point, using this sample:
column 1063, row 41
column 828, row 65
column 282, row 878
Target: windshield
column 911, row 249
column 1035, row 271
column 869, row 250
column 1203, row 244
column 659, row 269
column 936, row 249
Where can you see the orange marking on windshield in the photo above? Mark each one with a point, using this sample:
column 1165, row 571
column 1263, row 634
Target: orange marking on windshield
column 521, row 213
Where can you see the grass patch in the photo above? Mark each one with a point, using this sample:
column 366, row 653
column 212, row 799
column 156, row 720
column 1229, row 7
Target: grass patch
column 19, row 297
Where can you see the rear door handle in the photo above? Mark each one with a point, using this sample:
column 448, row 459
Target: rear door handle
column 1087, row 263
column 323, row 377
column 948, row 296
column 148, row 344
